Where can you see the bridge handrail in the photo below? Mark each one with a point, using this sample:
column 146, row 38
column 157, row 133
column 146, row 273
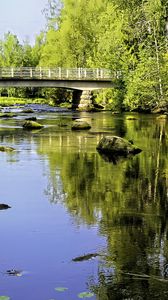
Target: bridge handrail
column 46, row 73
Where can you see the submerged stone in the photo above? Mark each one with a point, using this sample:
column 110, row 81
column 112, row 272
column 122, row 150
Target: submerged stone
column 32, row 125
column 114, row 145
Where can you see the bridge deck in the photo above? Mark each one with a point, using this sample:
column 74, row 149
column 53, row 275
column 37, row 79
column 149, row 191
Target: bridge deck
column 82, row 74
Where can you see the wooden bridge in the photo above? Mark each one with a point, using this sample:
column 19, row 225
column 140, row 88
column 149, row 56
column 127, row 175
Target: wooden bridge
column 81, row 80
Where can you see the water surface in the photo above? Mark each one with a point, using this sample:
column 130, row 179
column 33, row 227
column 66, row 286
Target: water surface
column 67, row 201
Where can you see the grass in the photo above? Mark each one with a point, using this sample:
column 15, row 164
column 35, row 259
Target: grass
column 10, row 101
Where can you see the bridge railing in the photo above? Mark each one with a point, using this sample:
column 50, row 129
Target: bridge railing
column 58, row 73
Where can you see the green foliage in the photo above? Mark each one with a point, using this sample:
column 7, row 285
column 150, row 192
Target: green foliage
column 143, row 86
column 57, row 95
column 73, row 43
column 111, row 99
column 10, row 51
column 120, row 35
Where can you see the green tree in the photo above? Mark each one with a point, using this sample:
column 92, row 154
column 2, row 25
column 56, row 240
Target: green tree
column 73, row 42
column 11, row 51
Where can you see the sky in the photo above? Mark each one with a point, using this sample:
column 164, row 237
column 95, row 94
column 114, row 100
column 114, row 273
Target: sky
column 22, row 17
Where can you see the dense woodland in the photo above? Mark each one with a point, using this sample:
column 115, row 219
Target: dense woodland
column 130, row 36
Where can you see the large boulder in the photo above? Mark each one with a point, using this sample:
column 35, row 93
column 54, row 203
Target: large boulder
column 115, row 145
column 32, row 125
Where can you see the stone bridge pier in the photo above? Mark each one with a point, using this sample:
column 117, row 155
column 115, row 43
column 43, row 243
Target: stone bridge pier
column 82, row 100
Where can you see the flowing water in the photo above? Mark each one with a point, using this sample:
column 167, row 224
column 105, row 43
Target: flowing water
column 79, row 223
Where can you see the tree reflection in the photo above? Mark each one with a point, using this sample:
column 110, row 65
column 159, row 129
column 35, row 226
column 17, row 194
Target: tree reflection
column 54, row 189
column 128, row 201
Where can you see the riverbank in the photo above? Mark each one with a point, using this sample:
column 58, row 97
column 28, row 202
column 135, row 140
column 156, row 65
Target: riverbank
column 11, row 101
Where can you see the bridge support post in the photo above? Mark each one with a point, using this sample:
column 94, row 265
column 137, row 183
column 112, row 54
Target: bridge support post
column 82, row 100
column 86, row 102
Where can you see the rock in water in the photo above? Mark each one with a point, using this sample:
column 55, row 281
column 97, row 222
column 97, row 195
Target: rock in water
column 6, row 149
column 80, row 125
column 4, row 206
column 85, row 257
column 115, row 145
column 32, row 125
column 28, row 111
column 14, row 272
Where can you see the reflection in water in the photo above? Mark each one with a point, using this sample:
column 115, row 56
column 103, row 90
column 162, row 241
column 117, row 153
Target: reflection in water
column 127, row 201
column 54, row 189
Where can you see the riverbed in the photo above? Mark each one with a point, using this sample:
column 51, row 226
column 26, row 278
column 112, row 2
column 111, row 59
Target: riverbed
column 81, row 226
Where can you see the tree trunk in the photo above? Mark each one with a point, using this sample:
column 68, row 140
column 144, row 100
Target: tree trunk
column 158, row 65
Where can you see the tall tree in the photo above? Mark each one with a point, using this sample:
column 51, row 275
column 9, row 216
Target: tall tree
column 75, row 38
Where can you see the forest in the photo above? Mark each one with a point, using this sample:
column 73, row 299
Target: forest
column 127, row 36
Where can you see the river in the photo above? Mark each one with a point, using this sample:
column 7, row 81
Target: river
column 80, row 226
